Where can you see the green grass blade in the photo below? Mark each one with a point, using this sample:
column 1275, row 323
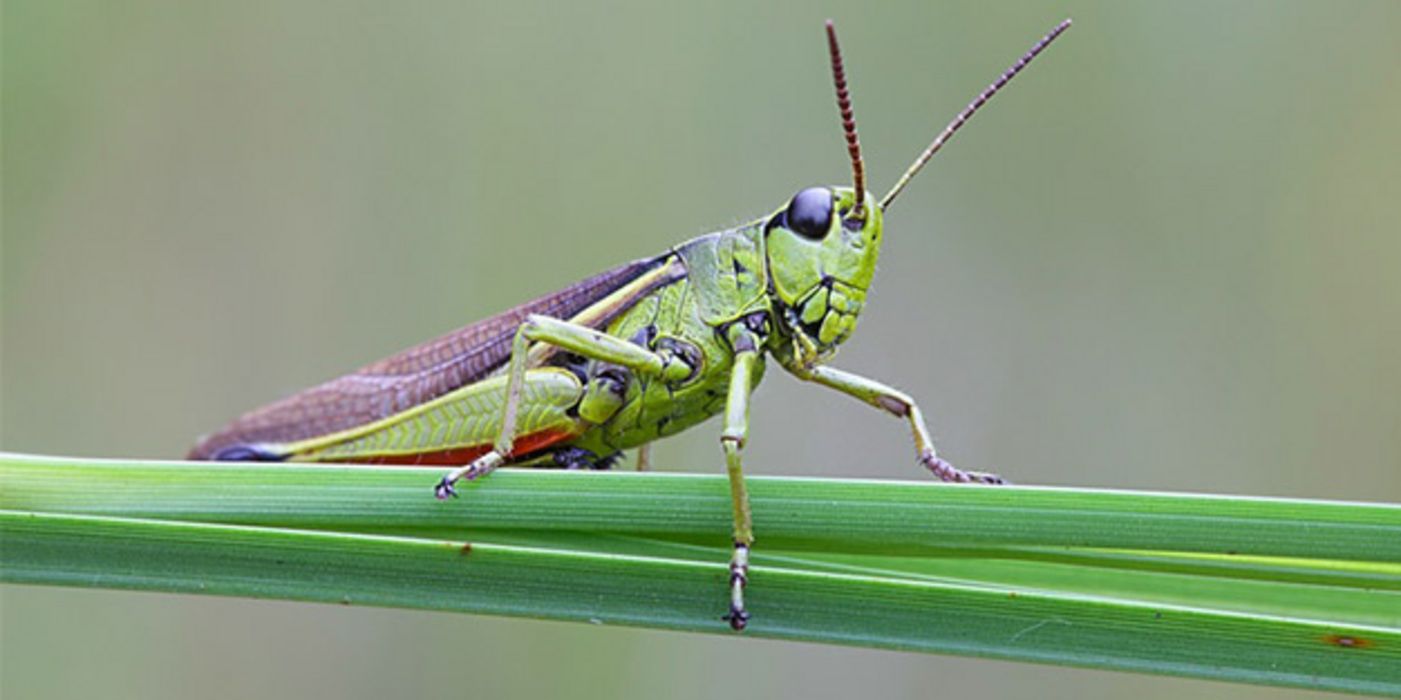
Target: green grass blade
column 1273, row 591
column 886, row 517
column 676, row 594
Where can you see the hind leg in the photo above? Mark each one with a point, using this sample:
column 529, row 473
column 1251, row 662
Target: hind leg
column 582, row 340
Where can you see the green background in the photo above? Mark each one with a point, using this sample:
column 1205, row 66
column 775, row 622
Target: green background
column 1167, row 258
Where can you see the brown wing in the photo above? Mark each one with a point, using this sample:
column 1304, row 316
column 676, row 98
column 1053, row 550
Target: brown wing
column 411, row 377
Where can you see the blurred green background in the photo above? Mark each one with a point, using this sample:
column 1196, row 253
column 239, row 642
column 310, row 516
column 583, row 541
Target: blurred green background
column 1167, row 258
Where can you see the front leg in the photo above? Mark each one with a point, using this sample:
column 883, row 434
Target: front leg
column 900, row 405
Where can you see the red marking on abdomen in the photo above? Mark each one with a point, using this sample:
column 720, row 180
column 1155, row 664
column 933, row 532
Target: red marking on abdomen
column 459, row 456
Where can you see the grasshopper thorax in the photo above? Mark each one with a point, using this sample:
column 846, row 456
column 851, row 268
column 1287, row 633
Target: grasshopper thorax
column 821, row 259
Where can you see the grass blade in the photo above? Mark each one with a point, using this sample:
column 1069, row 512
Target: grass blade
column 1273, row 591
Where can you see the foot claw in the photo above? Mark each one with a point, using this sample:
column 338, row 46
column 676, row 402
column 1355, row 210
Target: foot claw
column 738, row 619
column 444, row 490
column 948, row 472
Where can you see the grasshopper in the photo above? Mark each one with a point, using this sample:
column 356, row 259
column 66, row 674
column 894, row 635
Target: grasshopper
column 628, row 356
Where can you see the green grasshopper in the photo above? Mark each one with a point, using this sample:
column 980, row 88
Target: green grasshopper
column 628, row 356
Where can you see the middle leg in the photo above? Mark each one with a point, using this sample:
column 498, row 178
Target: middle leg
column 732, row 439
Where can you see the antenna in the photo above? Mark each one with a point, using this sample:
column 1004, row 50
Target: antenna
column 967, row 112
column 853, row 144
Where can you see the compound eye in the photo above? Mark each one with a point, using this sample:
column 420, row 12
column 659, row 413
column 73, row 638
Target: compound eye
column 810, row 213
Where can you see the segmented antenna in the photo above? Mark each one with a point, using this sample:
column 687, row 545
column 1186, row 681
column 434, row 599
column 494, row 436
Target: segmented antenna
column 853, row 144
column 967, row 112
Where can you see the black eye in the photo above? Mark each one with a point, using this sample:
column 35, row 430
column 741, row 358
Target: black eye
column 810, row 213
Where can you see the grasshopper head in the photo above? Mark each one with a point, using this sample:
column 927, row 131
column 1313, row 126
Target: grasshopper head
column 822, row 247
column 821, row 259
